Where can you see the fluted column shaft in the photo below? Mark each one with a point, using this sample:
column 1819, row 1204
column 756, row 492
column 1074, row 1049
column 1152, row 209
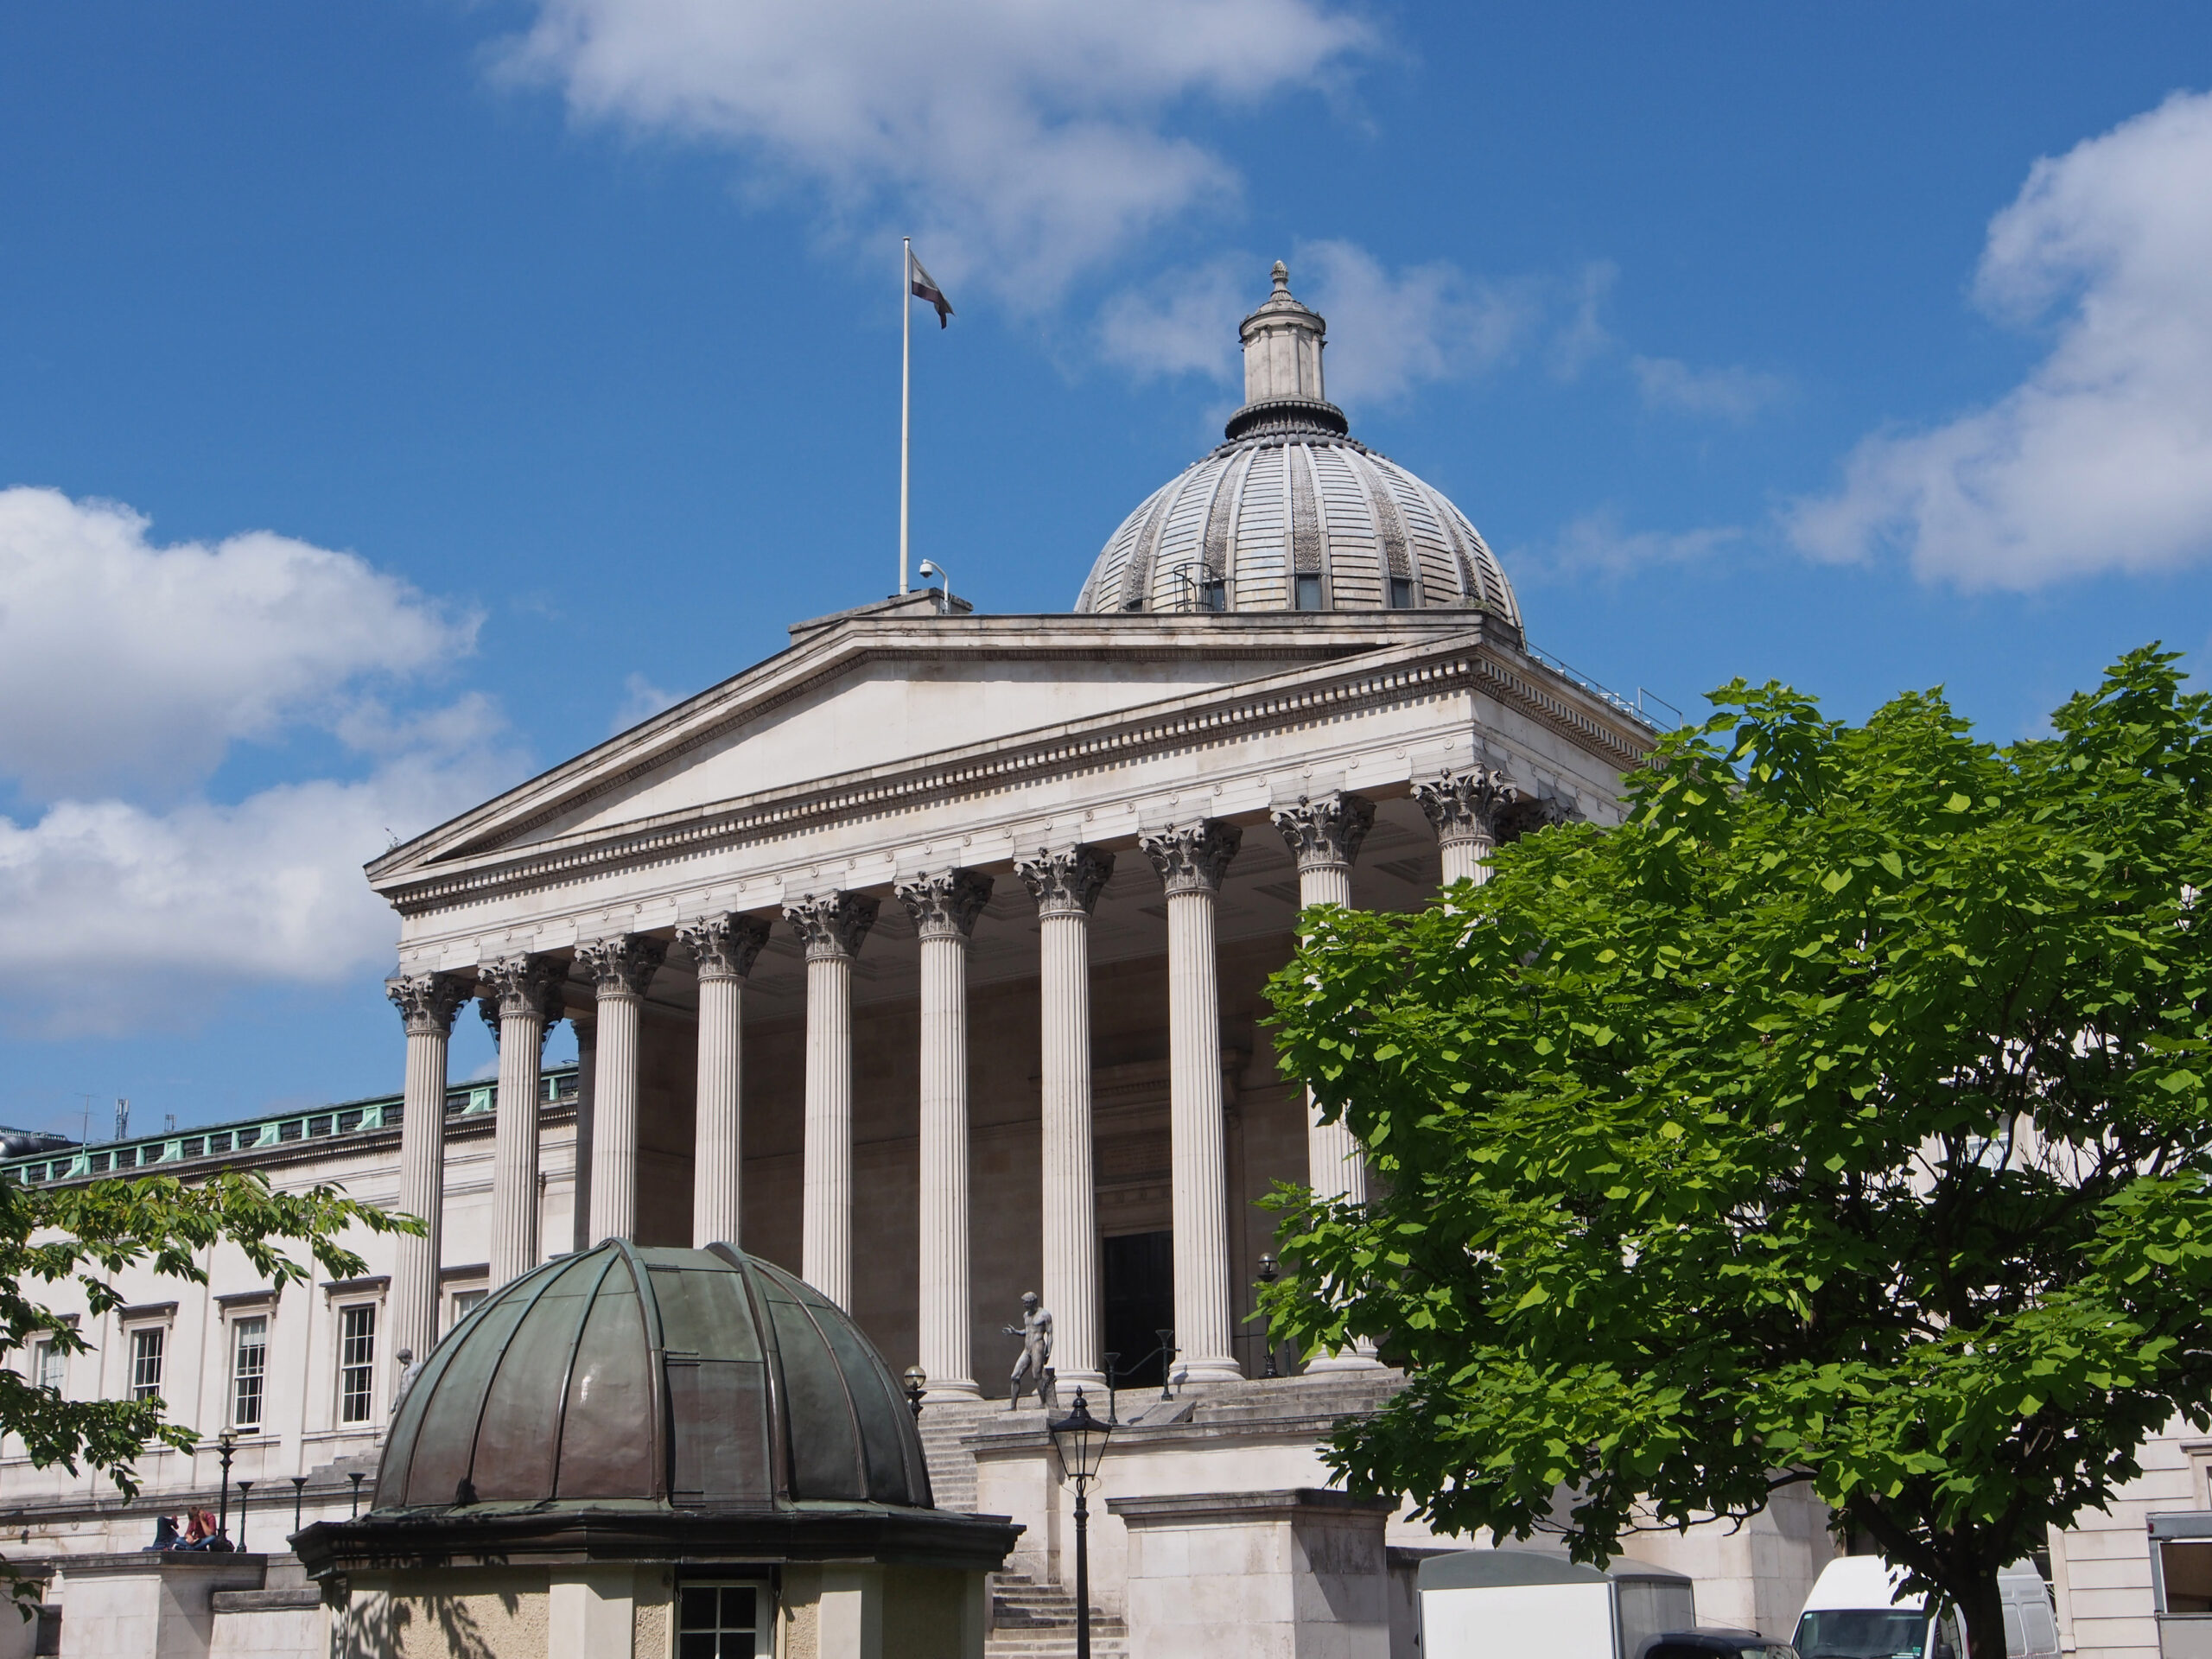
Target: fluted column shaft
column 620, row 971
column 427, row 1002
column 1325, row 836
column 723, row 949
column 587, row 1029
column 1065, row 885
column 944, row 908
column 831, row 926
column 524, row 998
column 1191, row 859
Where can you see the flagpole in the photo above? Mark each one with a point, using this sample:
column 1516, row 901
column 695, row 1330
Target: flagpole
column 906, row 392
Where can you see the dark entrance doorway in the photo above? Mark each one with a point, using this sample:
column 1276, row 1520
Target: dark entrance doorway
column 1140, row 1303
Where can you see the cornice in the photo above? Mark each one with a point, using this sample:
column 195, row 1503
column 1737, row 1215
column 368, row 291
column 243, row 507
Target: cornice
column 1436, row 669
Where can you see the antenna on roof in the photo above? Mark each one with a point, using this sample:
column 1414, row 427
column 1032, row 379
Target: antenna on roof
column 122, row 1119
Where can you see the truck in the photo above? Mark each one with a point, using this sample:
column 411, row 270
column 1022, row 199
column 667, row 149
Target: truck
column 1858, row 1611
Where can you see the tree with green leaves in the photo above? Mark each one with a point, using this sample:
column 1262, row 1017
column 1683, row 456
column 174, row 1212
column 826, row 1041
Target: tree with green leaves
column 1842, row 1118
column 89, row 1234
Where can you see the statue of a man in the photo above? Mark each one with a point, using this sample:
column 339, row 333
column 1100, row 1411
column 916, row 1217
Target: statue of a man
column 1035, row 1365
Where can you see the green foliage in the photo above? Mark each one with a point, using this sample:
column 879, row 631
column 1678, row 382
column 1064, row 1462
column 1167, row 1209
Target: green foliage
column 90, row 1233
column 1841, row 1118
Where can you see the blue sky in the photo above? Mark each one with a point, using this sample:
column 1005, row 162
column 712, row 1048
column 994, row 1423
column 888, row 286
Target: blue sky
column 394, row 401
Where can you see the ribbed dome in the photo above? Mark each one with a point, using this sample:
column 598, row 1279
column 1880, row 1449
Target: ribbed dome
column 692, row 1380
column 1291, row 513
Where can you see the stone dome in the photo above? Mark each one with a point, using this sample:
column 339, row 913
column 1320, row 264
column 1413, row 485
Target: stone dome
column 681, row 1380
column 1291, row 513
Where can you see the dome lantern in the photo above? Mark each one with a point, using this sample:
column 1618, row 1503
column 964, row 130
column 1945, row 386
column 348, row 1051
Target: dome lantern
column 1291, row 513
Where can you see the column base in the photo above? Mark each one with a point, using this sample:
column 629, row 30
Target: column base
column 952, row 1389
column 1350, row 1360
column 1208, row 1370
column 1089, row 1382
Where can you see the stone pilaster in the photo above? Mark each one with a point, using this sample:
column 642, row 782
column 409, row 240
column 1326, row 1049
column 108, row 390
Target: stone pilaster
column 1065, row 883
column 831, row 926
column 524, row 997
column 587, row 1029
column 1467, row 807
column 723, row 949
column 945, row 906
column 620, row 970
column 1324, row 833
column 1191, row 859
column 427, row 1003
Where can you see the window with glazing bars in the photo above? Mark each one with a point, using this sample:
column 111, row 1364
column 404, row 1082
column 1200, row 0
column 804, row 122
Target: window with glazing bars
column 249, row 1369
column 147, row 1344
column 721, row 1621
column 357, row 1361
column 49, row 1365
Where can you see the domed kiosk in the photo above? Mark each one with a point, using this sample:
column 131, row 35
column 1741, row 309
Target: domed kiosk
column 664, row 1445
column 1292, row 514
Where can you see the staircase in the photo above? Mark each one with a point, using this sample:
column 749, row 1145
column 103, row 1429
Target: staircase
column 1030, row 1620
column 952, row 1466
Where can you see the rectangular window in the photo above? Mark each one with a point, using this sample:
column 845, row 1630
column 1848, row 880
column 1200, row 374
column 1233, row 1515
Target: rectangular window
column 249, row 1369
column 1402, row 593
column 357, row 1361
column 1306, row 591
column 722, row 1621
column 49, row 1365
column 147, row 1344
column 465, row 1303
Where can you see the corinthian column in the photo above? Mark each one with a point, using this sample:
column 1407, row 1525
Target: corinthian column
column 1065, row 885
column 1191, row 859
column 1466, row 807
column 724, row 947
column 831, row 926
column 619, row 969
column 944, row 906
column 524, row 998
column 427, row 1002
column 1324, row 834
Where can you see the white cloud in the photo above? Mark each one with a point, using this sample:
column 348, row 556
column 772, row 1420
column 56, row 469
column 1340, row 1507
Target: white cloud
column 1732, row 394
column 1596, row 544
column 1022, row 141
column 129, row 902
column 2103, row 458
column 641, row 700
column 123, row 663
column 1584, row 338
column 1388, row 333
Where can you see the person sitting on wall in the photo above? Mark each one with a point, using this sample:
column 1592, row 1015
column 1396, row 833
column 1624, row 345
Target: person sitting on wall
column 165, row 1535
column 203, row 1534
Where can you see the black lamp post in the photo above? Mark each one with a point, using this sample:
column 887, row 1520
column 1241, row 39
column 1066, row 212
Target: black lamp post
column 918, row 1382
column 1112, row 1360
column 1167, row 1351
column 299, row 1490
column 227, row 1445
column 357, row 1478
column 245, row 1487
column 1080, row 1439
column 1270, row 1270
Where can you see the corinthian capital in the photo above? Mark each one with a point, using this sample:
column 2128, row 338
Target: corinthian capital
column 623, row 965
column 832, row 925
column 427, row 1002
column 724, row 947
column 513, row 986
column 1193, row 857
column 1066, row 881
column 1323, row 832
column 944, row 904
column 1467, row 804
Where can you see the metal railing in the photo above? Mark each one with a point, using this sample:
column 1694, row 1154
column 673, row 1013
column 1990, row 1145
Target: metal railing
column 1612, row 699
column 228, row 1140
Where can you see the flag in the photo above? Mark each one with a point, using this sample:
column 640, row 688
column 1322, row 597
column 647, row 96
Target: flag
column 924, row 287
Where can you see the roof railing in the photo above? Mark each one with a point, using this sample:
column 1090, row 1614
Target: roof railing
column 380, row 1112
column 1612, row 699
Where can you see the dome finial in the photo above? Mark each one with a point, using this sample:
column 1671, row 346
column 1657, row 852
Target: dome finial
column 1283, row 278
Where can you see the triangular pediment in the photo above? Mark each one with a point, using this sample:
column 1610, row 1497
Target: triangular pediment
column 878, row 692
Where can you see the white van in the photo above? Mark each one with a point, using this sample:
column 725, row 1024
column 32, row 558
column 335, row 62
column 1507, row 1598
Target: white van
column 1856, row 1612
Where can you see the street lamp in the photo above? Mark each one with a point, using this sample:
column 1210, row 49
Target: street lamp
column 299, row 1489
column 356, row 1477
column 918, row 1382
column 245, row 1489
column 1080, row 1439
column 1270, row 1270
column 227, row 1441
